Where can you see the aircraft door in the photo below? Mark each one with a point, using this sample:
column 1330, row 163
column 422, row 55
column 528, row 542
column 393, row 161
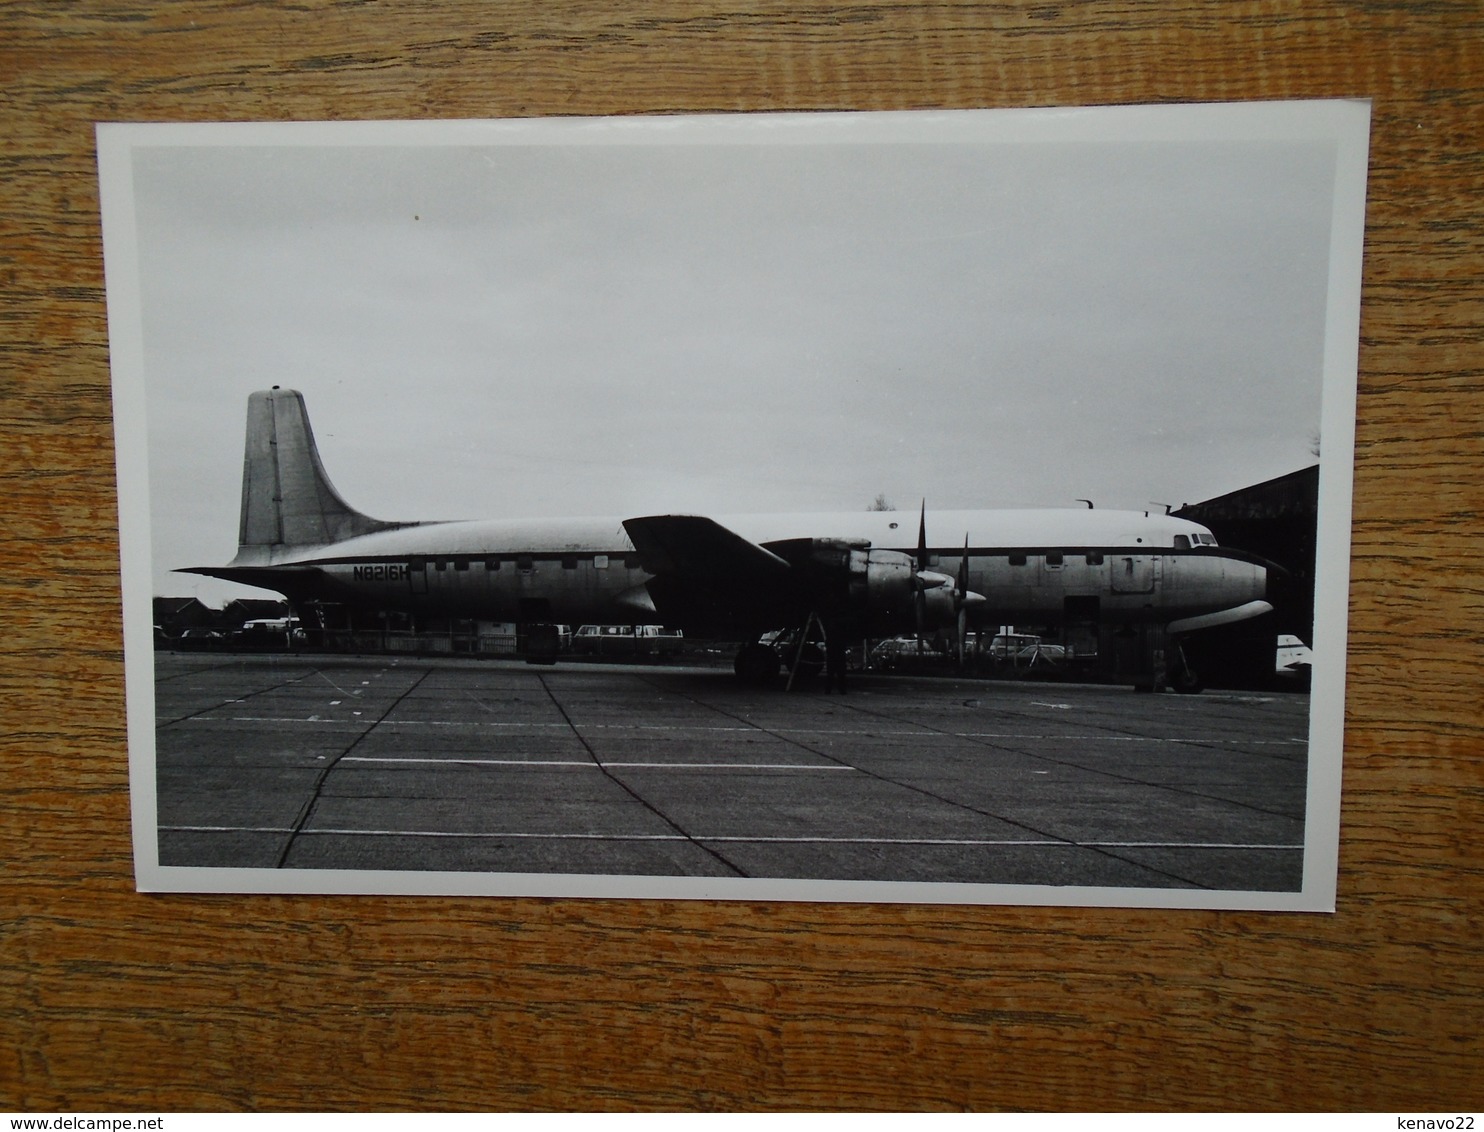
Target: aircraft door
column 417, row 575
column 1132, row 574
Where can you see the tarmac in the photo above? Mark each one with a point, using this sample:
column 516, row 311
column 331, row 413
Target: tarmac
column 301, row 761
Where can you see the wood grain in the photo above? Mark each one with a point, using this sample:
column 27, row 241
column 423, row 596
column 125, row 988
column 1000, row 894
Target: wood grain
column 113, row 1000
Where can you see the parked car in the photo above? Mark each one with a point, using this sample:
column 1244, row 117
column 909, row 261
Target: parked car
column 198, row 639
column 270, row 632
column 626, row 641
column 1023, row 650
column 902, row 654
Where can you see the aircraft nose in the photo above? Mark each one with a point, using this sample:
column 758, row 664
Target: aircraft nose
column 1279, row 581
column 1266, row 579
column 1254, row 577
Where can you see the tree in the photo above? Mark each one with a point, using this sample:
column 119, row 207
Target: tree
column 881, row 503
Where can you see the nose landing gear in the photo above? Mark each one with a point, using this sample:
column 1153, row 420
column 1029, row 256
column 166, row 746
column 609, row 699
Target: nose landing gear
column 1184, row 679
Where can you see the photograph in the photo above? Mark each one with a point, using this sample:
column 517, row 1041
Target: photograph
column 915, row 506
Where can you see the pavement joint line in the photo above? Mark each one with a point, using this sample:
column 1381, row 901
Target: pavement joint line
column 307, row 808
column 626, row 787
column 877, row 718
column 734, row 839
column 893, row 718
column 163, row 721
column 1102, row 742
column 1071, row 761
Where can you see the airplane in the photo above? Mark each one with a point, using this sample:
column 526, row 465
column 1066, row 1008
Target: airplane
column 865, row 574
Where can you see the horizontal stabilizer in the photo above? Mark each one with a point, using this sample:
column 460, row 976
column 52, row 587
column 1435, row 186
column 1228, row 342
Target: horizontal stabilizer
column 297, row 583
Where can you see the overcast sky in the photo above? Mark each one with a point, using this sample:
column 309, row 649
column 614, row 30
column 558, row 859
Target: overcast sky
column 536, row 327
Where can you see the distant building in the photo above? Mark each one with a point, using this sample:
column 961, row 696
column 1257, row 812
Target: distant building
column 174, row 615
column 1277, row 520
column 237, row 613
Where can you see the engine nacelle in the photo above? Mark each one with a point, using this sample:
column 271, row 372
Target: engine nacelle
column 880, row 590
column 884, row 589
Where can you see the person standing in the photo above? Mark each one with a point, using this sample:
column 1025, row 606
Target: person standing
column 835, row 651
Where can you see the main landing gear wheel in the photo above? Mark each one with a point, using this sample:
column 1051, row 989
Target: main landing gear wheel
column 757, row 664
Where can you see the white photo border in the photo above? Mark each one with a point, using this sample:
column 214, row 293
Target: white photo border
column 1345, row 123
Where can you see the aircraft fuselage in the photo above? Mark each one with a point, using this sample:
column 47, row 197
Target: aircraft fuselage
column 1036, row 567
column 866, row 573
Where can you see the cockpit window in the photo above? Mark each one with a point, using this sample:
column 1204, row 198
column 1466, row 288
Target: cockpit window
column 1182, row 542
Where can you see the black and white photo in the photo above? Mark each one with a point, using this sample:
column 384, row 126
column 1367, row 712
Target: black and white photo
column 920, row 506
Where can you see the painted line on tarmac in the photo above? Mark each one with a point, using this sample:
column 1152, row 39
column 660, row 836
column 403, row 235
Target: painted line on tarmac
column 978, row 841
column 732, row 766
column 1121, row 738
column 588, row 763
column 870, row 734
column 956, row 842
column 554, row 725
column 1182, row 845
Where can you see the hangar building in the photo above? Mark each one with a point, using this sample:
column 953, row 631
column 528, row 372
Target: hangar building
column 1278, row 520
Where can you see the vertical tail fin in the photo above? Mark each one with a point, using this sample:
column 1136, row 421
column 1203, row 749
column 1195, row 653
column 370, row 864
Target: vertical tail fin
column 287, row 500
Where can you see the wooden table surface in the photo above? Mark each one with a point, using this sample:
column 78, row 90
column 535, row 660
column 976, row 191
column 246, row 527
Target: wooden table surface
column 112, row 1000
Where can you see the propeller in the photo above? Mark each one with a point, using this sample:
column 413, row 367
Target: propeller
column 924, row 579
column 950, row 597
column 922, row 554
column 964, row 600
column 920, row 601
column 961, row 602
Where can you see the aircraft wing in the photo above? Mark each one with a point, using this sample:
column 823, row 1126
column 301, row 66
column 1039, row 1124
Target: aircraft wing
column 710, row 579
column 713, row 582
column 699, row 547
